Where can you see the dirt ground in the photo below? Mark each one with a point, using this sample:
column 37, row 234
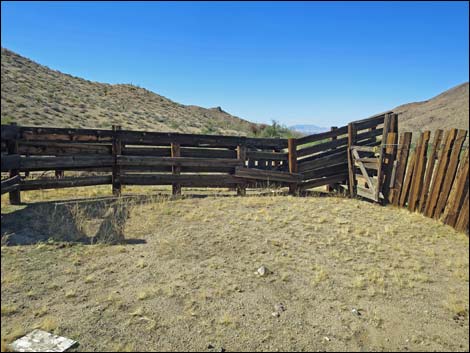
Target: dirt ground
column 343, row 275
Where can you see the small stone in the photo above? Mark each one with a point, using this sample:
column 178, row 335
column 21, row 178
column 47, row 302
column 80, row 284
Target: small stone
column 276, row 314
column 210, row 346
column 327, row 339
column 279, row 307
column 356, row 312
column 263, row 271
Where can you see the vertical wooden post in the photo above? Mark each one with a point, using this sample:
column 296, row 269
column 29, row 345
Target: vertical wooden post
column 12, row 146
column 418, row 174
column 352, row 132
column 332, row 187
column 176, row 170
column 380, row 172
column 402, row 161
column 292, row 156
column 116, row 150
column 241, row 155
column 59, row 174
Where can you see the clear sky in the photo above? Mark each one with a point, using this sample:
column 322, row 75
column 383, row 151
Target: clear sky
column 296, row 62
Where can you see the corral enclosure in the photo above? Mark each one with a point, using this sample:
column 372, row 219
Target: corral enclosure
column 342, row 273
column 366, row 158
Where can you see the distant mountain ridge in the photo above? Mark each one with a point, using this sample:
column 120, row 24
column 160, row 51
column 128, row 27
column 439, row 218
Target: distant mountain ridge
column 308, row 129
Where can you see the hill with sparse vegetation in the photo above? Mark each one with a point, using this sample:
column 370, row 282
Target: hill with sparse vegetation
column 36, row 95
column 447, row 110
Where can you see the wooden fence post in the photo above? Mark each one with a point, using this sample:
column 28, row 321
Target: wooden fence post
column 176, row 170
column 430, row 169
column 15, row 195
column 352, row 132
column 241, row 155
column 292, row 156
column 418, row 172
column 390, row 157
column 332, row 187
column 402, row 161
column 116, row 151
column 441, row 169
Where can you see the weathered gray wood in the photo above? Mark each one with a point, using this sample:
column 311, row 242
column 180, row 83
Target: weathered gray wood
column 321, row 136
column 186, row 180
column 268, row 175
column 126, row 161
column 10, row 161
column 32, row 163
column 67, row 182
column 10, row 184
column 322, row 181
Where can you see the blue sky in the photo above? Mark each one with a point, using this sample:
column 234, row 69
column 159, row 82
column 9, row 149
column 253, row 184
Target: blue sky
column 296, row 62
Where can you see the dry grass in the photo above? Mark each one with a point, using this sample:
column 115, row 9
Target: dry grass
column 186, row 278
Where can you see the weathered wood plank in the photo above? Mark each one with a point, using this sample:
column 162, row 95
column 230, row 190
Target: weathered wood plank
column 322, row 181
column 61, row 148
column 407, row 182
column 323, row 135
column 430, row 170
column 457, row 193
column 67, row 182
column 185, row 180
column 450, row 172
column 418, row 173
column 322, row 147
column 32, row 163
column 127, row 161
column 402, row 161
column 268, row 175
column 10, row 184
column 10, row 161
column 463, row 218
column 241, row 155
column 442, row 163
column 176, row 169
column 373, row 121
column 352, row 132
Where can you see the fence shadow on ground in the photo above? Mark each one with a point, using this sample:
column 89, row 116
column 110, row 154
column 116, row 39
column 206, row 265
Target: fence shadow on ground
column 88, row 221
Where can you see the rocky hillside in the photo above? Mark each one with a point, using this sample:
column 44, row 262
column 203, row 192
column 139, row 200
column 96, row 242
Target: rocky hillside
column 33, row 94
column 447, row 110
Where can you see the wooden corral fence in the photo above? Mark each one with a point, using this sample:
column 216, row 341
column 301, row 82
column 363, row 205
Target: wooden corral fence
column 433, row 179
column 364, row 158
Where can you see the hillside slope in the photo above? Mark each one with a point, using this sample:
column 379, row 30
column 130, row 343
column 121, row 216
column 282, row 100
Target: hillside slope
column 447, row 110
column 33, row 94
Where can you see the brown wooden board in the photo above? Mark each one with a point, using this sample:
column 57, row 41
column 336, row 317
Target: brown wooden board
column 145, row 161
column 462, row 220
column 402, row 161
column 67, row 182
column 457, row 193
column 268, row 175
column 10, row 184
column 310, row 184
column 441, row 168
column 321, row 136
column 407, row 181
column 418, row 172
column 450, row 172
column 32, row 163
column 186, row 180
column 431, row 162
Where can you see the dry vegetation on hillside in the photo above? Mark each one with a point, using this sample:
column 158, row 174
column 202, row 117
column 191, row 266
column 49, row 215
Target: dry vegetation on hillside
column 445, row 111
column 33, row 94
column 186, row 278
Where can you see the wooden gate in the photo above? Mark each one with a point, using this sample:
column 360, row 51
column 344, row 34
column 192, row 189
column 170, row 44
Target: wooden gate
column 371, row 167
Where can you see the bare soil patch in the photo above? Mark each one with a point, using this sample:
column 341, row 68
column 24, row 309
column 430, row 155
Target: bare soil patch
column 345, row 275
